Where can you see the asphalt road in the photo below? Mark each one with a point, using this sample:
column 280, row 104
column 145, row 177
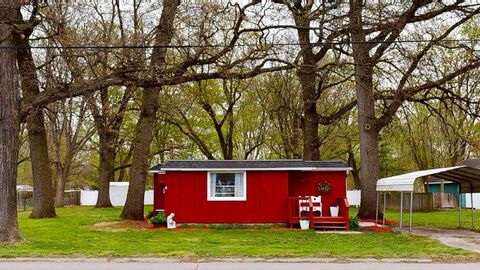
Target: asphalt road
column 92, row 265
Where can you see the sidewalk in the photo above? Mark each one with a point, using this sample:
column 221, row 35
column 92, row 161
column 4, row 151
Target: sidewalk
column 463, row 239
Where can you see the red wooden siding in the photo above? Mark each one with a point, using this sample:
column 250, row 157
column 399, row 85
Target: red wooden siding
column 268, row 194
column 267, row 198
column 158, row 195
column 306, row 184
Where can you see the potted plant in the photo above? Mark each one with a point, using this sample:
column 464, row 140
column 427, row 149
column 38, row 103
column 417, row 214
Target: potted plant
column 324, row 187
column 304, row 223
column 334, row 210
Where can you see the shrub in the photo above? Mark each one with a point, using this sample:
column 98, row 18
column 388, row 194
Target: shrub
column 159, row 219
column 219, row 226
column 150, row 214
column 93, row 185
column 354, row 223
column 192, row 226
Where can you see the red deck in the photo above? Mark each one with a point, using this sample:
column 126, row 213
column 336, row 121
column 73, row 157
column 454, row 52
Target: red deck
column 317, row 220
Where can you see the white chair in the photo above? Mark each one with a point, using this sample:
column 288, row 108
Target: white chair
column 317, row 204
column 303, row 206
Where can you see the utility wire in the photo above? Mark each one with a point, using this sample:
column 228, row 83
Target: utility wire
column 173, row 46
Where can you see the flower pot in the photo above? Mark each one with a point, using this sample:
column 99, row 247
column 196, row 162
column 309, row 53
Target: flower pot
column 304, row 224
column 334, row 211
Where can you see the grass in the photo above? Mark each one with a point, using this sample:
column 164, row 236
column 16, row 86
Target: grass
column 445, row 219
column 73, row 234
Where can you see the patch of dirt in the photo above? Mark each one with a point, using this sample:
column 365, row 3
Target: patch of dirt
column 122, row 225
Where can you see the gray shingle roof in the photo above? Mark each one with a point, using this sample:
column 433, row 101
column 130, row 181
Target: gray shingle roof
column 250, row 164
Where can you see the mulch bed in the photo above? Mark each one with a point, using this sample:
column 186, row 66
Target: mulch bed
column 376, row 229
column 380, row 221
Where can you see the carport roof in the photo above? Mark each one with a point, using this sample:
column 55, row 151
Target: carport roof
column 467, row 177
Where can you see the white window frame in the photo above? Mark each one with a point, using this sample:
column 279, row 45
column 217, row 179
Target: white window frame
column 213, row 198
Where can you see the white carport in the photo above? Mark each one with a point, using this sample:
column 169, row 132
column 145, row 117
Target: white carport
column 467, row 178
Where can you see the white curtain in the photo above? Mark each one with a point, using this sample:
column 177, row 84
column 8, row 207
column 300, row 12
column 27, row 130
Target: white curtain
column 213, row 184
column 239, row 184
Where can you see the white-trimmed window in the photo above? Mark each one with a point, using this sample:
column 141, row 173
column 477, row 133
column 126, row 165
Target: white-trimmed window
column 227, row 186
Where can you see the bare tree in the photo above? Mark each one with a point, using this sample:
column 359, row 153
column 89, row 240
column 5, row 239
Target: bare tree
column 373, row 37
column 281, row 97
column 108, row 115
column 37, row 137
column 68, row 137
column 143, row 135
column 9, row 123
column 317, row 24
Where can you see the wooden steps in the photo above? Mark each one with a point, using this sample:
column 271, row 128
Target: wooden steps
column 330, row 224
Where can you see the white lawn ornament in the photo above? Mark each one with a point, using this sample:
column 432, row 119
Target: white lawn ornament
column 171, row 224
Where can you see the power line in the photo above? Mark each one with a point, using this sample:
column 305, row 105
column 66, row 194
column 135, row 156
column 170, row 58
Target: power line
column 173, row 46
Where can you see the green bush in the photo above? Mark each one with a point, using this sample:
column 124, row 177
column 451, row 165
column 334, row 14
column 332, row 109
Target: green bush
column 159, row 219
column 150, row 214
column 219, row 226
column 192, row 226
column 93, row 185
column 354, row 223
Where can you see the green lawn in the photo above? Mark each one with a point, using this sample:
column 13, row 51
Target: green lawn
column 71, row 234
column 446, row 219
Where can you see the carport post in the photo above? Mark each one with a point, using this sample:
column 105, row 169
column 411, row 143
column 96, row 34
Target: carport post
column 473, row 210
column 411, row 207
column 376, row 209
column 459, row 209
column 384, row 206
column 401, row 210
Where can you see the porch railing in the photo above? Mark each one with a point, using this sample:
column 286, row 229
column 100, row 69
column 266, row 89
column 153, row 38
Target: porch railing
column 302, row 207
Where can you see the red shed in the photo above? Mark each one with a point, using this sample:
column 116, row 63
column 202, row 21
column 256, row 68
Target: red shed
column 253, row 191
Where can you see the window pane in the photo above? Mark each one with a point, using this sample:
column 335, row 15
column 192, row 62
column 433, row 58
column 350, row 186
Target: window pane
column 227, row 184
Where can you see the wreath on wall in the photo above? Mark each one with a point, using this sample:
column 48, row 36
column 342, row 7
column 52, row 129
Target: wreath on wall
column 324, row 187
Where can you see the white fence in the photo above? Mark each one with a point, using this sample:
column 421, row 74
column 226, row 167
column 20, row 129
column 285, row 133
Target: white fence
column 118, row 195
column 476, row 200
column 353, row 197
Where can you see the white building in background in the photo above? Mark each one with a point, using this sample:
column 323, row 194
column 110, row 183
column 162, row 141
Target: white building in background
column 476, row 200
column 353, row 197
column 118, row 195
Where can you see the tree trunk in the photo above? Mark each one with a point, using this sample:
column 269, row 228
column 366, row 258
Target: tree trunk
column 9, row 127
column 307, row 77
column 122, row 174
column 106, row 171
column 143, row 138
column 311, row 143
column 144, row 131
column 59, row 197
column 37, row 137
column 355, row 170
column 370, row 169
column 368, row 130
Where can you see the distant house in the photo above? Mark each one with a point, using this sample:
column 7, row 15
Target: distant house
column 448, row 187
column 437, row 185
column 260, row 191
